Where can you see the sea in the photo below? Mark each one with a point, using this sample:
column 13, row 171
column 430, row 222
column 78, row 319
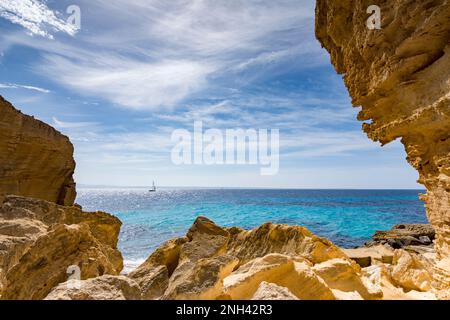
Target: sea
column 347, row 217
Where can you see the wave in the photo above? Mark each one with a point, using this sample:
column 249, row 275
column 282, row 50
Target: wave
column 130, row 265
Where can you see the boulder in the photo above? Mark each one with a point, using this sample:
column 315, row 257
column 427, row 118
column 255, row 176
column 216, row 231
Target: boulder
column 412, row 271
column 182, row 258
column 168, row 255
column 106, row 287
column 245, row 281
column 153, row 275
column 202, row 280
column 378, row 277
column 345, row 276
column 206, row 240
column 153, row 282
column 202, row 264
column 403, row 235
column 270, row 291
column 284, row 239
column 281, row 270
column 366, row 257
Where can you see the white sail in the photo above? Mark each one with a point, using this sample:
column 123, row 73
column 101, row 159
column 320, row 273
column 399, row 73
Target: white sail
column 153, row 189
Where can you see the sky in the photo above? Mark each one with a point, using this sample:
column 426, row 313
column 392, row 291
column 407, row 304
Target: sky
column 135, row 71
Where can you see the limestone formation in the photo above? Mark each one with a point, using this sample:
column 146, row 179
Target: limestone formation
column 102, row 288
column 194, row 267
column 211, row 262
column 400, row 77
column 35, row 160
column 39, row 240
column 217, row 263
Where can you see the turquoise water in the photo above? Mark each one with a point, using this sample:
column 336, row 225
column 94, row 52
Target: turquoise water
column 347, row 217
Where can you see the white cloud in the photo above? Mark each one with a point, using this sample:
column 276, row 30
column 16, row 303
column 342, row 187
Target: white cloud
column 304, row 144
column 134, row 84
column 35, row 16
column 18, row 86
column 296, row 111
column 146, row 55
column 306, row 50
column 72, row 125
column 214, row 27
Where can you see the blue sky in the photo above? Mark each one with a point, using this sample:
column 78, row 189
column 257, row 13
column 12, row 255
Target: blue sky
column 139, row 69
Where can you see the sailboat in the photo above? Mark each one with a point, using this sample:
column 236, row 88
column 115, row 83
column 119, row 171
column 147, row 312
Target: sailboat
column 153, row 189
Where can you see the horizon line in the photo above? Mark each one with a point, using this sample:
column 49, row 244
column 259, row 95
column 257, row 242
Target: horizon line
column 89, row 186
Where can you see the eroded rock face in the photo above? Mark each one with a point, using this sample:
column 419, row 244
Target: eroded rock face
column 283, row 262
column 280, row 261
column 39, row 240
column 35, row 160
column 400, row 76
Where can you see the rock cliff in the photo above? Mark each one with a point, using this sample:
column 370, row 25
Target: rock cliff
column 42, row 236
column 35, row 160
column 400, row 77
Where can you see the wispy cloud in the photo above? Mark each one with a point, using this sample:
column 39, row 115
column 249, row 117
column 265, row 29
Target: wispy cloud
column 19, row 86
column 134, row 84
column 72, row 125
column 35, row 16
column 321, row 143
column 289, row 111
column 273, row 57
column 172, row 50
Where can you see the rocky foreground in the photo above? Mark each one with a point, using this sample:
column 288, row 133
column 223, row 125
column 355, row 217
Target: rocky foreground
column 40, row 240
column 279, row 262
